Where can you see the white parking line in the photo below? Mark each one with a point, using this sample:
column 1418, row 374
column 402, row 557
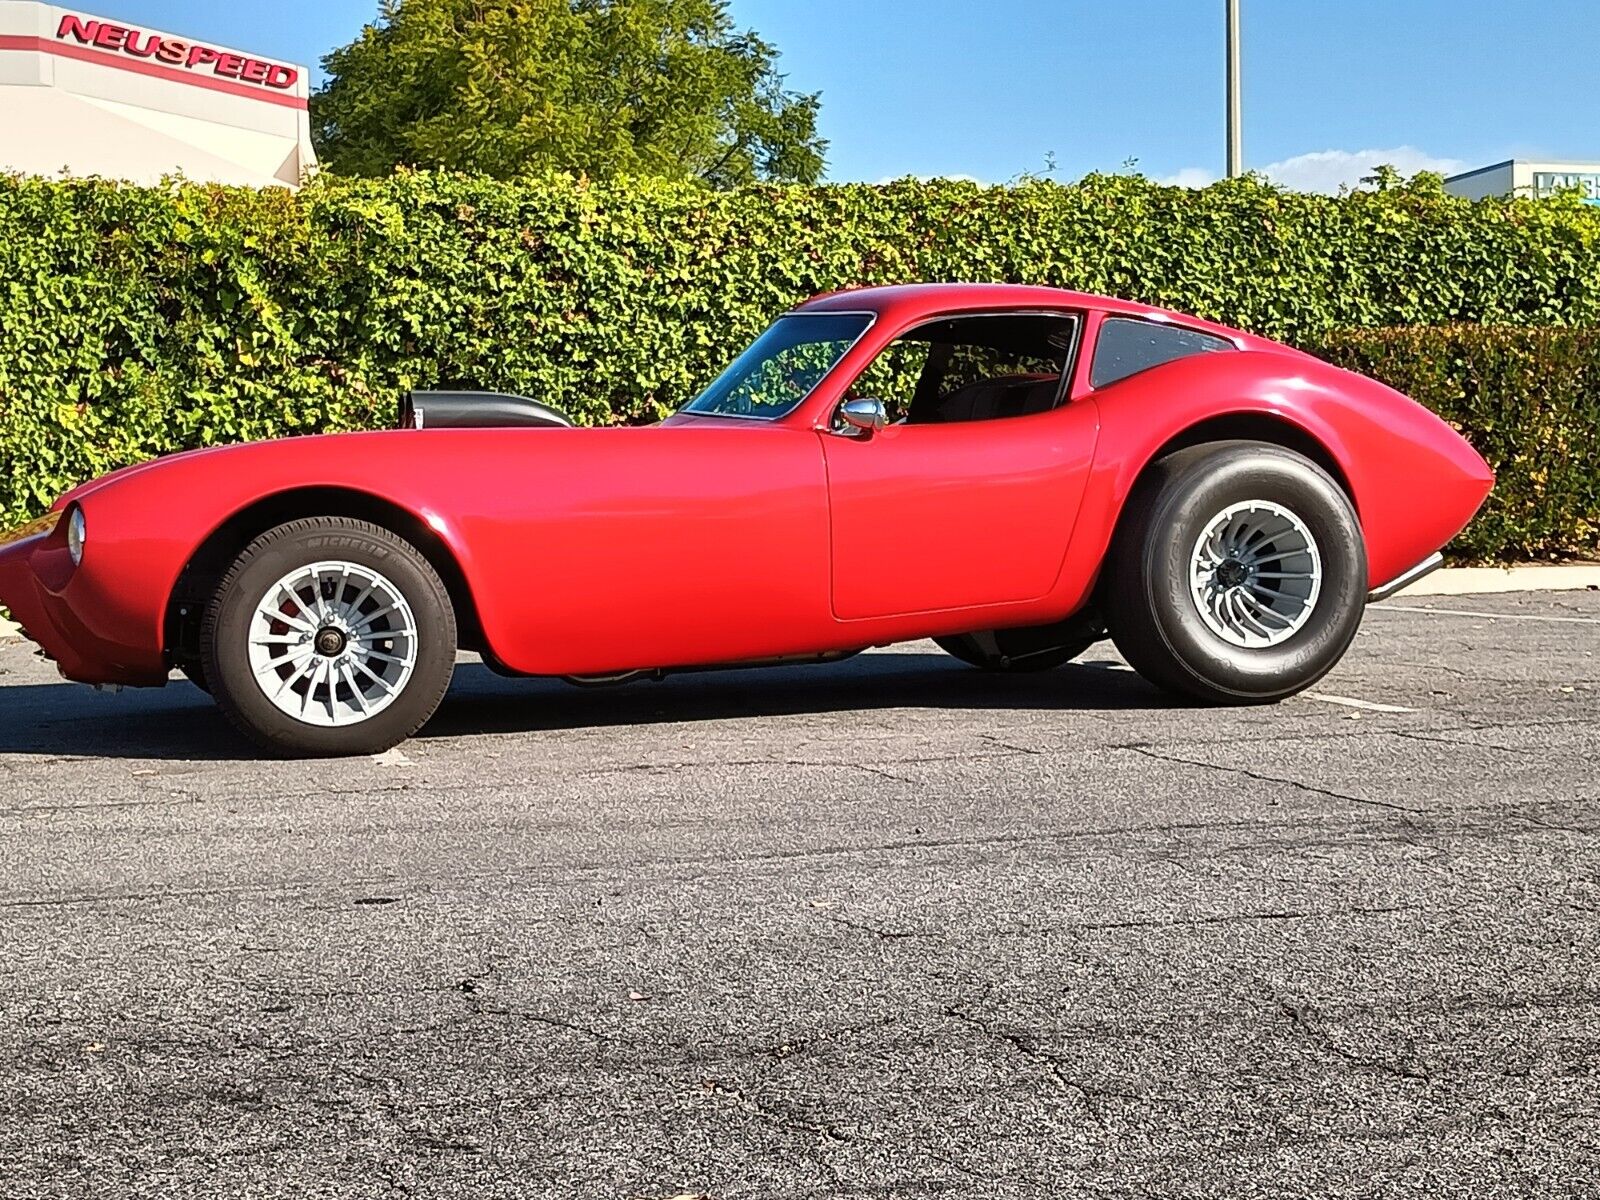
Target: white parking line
column 1350, row 702
column 1462, row 612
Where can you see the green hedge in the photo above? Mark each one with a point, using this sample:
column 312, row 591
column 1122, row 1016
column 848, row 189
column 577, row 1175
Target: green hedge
column 1529, row 400
column 136, row 321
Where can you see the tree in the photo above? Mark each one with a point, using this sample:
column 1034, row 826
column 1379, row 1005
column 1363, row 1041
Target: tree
column 603, row 87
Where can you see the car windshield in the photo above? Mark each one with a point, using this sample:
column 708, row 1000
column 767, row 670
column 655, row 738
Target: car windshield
column 781, row 366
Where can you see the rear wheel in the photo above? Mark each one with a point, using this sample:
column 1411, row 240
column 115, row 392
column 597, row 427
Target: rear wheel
column 1238, row 574
column 329, row 636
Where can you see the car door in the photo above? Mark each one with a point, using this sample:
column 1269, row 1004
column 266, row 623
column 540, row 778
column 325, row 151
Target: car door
column 967, row 513
column 932, row 517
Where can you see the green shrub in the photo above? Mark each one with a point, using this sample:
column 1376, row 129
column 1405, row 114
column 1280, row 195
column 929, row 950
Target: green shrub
column 138, row 321
column 1528, row 399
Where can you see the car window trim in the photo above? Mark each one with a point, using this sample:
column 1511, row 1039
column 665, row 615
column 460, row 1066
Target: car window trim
column 1079, row 318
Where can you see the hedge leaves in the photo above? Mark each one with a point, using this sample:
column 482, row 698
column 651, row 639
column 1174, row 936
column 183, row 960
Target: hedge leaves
column 138, row 321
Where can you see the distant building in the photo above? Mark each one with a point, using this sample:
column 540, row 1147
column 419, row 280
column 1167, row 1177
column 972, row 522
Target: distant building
column 85, row 95
column 1519, row 177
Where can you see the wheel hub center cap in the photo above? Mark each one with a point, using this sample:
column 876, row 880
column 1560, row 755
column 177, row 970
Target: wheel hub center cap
column 330, row 642
column 1255, row 574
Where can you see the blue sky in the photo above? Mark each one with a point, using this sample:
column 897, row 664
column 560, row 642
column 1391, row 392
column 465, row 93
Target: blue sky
column 991, row 88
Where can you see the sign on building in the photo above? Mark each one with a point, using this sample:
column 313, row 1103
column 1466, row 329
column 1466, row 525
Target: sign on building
column 88, row 95
column 1520, row 177
column 1550, row 183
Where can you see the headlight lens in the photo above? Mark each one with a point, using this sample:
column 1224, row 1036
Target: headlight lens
column 76, row 533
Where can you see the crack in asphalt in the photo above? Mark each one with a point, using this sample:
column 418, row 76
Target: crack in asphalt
column 476, row 1007
column 1538, row 754
column 428, row 1141
column 1582, row 831
column 788, row 1119
column 793, row 1047
column 886, row 935
column 778, row 1114
column 1146, row 923
column 1027, row 1044
column 174, row 894
column 1015, row 749
column 1145, row 749
column 582, row 872
column 1217, row 919
column 881, row 773
column 176, row 799
column 667, row 768
column 1304, row 1018
column 539, row 1018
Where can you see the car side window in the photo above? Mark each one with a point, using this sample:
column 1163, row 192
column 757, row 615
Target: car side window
column 972, row 368
column 1127, row 346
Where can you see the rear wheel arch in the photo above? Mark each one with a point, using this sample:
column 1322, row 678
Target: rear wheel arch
column 1240, row 426
column 1253, row 427
column 212, row 558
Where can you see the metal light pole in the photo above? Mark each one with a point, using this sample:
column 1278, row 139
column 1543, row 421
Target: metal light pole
column 1235, row 146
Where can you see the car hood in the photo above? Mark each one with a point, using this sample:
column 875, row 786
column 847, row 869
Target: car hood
column 270, row 448
column 328, row 458
column 150, row 464
column 335, row 447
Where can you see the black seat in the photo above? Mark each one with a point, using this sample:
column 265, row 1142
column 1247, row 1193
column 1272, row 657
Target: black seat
column 987, row 400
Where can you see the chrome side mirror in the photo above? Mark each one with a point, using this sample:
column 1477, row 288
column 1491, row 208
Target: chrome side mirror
column 860, row 418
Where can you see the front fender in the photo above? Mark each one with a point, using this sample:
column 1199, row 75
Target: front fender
column 105, row 620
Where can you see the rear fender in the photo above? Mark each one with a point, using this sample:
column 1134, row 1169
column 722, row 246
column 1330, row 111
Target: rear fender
column 1413, row 480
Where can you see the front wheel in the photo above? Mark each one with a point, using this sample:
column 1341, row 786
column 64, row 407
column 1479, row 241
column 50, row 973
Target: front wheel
column 195, row 674
column 1238, row 574
column 329, row 636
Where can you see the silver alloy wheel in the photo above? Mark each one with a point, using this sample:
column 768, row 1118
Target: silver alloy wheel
column 1255, row 574
column 333, row 643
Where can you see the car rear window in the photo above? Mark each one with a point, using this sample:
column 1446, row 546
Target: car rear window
column 1127, row 346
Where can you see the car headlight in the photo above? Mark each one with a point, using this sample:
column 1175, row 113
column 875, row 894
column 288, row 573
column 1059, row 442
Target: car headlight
column 76, row 533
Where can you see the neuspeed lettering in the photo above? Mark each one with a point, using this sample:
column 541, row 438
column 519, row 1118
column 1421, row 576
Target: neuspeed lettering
column 190, row 56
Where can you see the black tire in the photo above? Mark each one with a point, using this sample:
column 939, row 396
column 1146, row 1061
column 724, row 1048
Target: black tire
column 225, row 630
column 1155, row 620
column 195, row 674
column 1011, row 651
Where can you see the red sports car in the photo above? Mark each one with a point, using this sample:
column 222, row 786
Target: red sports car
column 1015, row 472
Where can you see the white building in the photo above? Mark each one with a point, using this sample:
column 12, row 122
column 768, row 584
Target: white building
column 1522, row 177
column 84, row 95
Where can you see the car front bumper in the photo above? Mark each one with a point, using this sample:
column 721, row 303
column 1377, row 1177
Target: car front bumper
column 71, row 613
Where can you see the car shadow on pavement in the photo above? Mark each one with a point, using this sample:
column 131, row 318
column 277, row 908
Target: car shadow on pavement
column 178, row 721
column 181, row 722
column 482, row 702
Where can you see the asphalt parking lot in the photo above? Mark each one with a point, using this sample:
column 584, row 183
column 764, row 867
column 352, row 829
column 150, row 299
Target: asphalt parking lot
column 886, row 928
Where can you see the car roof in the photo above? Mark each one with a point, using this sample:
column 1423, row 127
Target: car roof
column 910, row 301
